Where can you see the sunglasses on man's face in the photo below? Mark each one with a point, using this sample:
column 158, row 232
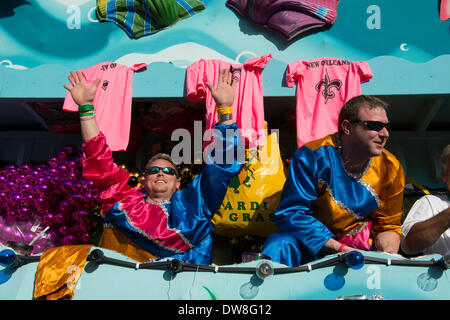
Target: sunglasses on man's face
column 374, row 125
column 166, row 170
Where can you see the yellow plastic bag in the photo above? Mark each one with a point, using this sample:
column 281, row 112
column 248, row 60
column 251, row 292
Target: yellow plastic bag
column 253, row 195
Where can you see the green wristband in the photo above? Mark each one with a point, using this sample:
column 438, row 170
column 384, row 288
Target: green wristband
column 85, row 107
column 87, row 114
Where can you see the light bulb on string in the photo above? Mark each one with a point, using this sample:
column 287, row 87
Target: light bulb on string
column 354, row 260
column 7, row 257
column 264, row 270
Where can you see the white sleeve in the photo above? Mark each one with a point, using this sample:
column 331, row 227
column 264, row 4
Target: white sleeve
column 420, row 211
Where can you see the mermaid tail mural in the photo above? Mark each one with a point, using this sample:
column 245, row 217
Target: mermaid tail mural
column 144, row 17
column 290, row 18
column 444, row 11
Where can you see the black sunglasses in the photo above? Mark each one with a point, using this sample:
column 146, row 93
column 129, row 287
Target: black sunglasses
column 166, row 170
column 374, row 125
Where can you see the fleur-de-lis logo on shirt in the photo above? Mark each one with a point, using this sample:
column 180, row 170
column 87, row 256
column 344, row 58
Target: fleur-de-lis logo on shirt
column 328, row 84
column 236, row 73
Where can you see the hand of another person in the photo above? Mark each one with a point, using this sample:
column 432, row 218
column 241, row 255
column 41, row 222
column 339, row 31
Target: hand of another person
column 223, row 94
column 81, row 91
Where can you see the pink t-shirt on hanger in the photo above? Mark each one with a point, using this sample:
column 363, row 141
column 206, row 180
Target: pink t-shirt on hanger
column 112, row 101
column 248, row 105
column 323, row 86
column 444, row 11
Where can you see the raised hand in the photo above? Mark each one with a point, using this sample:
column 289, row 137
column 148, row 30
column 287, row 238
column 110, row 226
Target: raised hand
column 223, row 94
column 81, row 91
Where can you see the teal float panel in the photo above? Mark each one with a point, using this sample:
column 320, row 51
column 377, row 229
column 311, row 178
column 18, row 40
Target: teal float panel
column 385, row 280
column 407, row 46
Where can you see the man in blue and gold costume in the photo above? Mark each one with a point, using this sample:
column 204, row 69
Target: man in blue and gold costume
column 343, row 192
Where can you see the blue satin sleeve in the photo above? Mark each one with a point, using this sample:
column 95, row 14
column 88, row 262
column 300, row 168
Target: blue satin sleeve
column 294, row 214
column 204, row 195
column 193, row 206
column 223, row 163
column 200, row 254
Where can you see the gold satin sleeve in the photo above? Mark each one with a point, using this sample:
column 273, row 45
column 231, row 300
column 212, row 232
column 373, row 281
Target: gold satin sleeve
column 58, row 271
column 115, row 240
column 389, row 214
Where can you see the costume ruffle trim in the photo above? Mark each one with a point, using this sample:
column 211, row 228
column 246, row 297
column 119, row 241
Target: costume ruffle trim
column 152, row 239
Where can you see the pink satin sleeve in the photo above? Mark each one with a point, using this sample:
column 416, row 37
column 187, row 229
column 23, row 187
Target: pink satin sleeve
column 99, row 167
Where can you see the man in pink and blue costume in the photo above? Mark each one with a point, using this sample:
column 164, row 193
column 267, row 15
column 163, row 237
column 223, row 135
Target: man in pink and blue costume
column 161, row 219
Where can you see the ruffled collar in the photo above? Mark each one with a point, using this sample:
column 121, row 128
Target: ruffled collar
column 355, row 176
column 156, row 202
column 149, row 200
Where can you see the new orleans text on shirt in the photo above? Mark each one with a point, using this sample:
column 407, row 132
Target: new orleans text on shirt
column 328, row 62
